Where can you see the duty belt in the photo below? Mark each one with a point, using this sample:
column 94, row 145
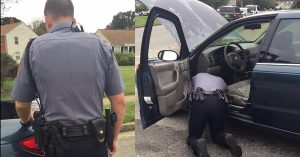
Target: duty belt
column 75, row 131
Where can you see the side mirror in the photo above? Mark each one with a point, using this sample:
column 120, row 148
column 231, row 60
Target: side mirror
column 168, row 55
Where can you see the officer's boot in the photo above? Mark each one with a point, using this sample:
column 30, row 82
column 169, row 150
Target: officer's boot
column 233, row 146
column 199, row 147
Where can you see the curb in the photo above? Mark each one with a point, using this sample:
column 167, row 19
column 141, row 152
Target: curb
column 127, row 127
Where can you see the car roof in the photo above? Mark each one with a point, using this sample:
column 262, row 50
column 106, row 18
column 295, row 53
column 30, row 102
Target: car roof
column 279, row 14
column 288, row 14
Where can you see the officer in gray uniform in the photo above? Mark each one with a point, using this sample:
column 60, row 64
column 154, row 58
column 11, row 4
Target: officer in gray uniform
column 208, row 106
column 72, row 71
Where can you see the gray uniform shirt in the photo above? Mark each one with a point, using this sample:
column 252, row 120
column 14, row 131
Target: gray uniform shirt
column 208, row 82
column 72, row 71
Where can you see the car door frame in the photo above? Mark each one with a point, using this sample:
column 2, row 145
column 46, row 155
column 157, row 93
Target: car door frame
column 149, row 107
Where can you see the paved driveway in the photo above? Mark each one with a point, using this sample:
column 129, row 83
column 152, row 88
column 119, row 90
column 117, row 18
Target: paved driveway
column 126, row 147
column 167, row 138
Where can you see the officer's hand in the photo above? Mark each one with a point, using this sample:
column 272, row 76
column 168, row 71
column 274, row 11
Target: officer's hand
column 113, row 149
column 26, row 124
column 31, row 115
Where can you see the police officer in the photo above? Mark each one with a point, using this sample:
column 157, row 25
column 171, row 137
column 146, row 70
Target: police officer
column 208, row 106
column 72, row 71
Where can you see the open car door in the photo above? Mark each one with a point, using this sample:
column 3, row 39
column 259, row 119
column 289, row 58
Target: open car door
column 162, row 85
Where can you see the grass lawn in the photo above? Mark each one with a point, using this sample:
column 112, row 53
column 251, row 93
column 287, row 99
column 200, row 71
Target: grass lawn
column 140, row 21
column 129, row 114
column 128, row 75
column 127, row 72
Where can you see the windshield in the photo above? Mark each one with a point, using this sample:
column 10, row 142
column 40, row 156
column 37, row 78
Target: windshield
column 243, row 34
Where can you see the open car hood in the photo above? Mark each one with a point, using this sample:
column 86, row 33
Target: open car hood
column 198, row 20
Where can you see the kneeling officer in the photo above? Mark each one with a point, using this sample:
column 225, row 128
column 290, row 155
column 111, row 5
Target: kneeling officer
column 69, row 71
column 208, row 105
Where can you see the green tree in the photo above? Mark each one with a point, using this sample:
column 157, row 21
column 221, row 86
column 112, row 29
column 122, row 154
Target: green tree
column 296, row 4
column 39, row 27
column 8, row 20
column 140, row 6
column 8, row 67
column 215, row 3
column 264, row 4
column 123, row 20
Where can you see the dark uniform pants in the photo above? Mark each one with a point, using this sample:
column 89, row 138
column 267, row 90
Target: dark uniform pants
column 212, row 111
column 82, row 147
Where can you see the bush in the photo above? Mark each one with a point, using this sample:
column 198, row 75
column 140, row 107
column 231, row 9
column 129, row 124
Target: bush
column 8, row 67
column 125, row 59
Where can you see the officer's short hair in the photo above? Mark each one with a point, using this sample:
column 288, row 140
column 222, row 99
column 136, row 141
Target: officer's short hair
column 58, row 8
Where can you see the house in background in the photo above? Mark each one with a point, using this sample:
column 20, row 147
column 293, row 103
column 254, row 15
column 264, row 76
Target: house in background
column 121, row 41
column 14, row 38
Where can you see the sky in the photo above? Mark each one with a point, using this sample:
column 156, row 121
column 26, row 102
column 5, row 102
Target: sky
column 92, row 14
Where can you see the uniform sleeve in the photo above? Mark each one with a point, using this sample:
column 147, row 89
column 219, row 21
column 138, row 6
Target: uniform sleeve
column 115, row 84
column 23, row 88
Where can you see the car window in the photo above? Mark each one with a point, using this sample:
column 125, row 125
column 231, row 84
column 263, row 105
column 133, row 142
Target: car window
column 237, row 10
column 243, row 35
column 251, row 7
column 162, row 39
column 285, row 45
column 226, row 9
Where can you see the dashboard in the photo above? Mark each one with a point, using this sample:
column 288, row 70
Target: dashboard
column 212, row 59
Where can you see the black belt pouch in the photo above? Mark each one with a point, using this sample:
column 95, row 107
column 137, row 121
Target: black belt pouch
column 98, row 129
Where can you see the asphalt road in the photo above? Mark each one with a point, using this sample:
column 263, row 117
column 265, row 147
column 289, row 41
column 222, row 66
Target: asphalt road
column 167, row 138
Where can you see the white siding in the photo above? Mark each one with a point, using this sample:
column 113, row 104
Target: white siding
column 24, row 34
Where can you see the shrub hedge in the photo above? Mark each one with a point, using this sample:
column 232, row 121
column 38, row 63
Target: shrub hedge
column 125, row 59
column 9, row 67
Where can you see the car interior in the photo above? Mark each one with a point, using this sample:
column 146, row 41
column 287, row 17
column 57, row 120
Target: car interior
column 233, row 57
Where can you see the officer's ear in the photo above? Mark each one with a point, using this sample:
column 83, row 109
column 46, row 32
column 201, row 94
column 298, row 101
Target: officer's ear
column 49, row 23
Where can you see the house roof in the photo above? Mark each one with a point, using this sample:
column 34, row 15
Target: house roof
column 118, row 36
column 8, row 27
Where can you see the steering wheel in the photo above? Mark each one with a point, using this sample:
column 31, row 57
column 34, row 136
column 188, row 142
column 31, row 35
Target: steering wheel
column 236, row 60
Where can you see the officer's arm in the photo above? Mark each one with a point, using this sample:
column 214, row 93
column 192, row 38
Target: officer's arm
column 23, row 110
column 118, row 106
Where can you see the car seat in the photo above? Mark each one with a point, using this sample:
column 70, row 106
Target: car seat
column 238, row 93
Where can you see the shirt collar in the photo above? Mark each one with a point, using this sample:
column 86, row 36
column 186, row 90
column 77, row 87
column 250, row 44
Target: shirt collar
column 61, row 26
